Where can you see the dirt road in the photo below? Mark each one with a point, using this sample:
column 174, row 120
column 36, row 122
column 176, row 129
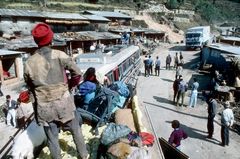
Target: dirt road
column 155, row 93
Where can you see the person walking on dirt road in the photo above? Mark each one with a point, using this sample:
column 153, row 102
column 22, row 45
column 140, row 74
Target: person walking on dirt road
column 175, row 87
column 150, row 65
column 157, row 66
column 146, row 66
column 182, row 89
column 168, row 61
column 177, row 135
column 212, row 110
column 176, row 60
column 227, row 119
column 194, row 93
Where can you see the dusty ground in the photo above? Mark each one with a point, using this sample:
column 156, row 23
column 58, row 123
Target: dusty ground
column 173, row 37
column 7, row 131
column 155, row 93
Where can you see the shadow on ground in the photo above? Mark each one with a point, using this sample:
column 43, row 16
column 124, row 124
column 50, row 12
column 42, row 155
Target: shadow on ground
column 178, row 48
column 167, row 80
column 173, row 110
column 163, row 100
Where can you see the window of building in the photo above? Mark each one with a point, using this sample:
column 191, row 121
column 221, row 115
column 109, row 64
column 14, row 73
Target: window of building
column 14, row 20
column 9, row 68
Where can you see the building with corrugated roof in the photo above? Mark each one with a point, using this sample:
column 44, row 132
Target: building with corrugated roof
column 83, row 40
column 21, row 22
column 231, row 40
column 143, row 32
column 114, row 17
column 219, row 55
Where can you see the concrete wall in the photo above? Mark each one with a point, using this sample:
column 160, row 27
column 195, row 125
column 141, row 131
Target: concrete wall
column 9, row 27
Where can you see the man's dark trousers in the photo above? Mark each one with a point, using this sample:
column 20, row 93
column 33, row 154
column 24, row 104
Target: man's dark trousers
column 225, row 135
column 210, row 126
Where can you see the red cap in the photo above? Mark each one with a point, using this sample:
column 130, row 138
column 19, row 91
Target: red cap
column 42, row 34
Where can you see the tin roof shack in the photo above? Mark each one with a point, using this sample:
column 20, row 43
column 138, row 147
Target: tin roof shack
column 21, row 22
column 153, row 34
column 97, row 23
column 220, row 57
column 116, row 18
column 235, row 41
column 83, row 40
column 149, row 33
column 14, row 21
column 131, row 31
column 27, row 44
column 63, row 22
column 226, row 29
column 11, row 66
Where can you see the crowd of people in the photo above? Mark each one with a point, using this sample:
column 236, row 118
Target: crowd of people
column 149, row 64
column 180, row 87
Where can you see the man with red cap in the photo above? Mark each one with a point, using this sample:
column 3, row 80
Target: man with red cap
column 53, row 104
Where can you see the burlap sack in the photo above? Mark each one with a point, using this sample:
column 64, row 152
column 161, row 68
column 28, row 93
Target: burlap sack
column 125, row 117
column 120, row 150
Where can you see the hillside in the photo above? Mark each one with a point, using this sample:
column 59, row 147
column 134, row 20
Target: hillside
column 206, row 11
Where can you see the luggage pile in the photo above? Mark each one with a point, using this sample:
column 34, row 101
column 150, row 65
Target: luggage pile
column 97, row 104
column 109, row 127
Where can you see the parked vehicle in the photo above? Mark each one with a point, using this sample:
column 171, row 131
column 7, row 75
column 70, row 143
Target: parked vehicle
column 196, row 37
column 120, row 63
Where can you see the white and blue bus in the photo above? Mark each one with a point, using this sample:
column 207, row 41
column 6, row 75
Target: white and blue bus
column 120, row 63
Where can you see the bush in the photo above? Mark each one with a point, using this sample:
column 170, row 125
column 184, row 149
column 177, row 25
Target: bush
column 172, row 4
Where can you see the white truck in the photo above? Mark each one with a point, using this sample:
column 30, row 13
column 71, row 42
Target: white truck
column 196, row 37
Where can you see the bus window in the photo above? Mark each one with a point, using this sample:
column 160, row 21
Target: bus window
column 110, row 77
column 120, row 71
column 116, row 74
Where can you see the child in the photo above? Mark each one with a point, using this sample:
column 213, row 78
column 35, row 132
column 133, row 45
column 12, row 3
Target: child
column 177, row 135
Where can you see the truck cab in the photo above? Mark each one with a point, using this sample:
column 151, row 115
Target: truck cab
column 196, row 37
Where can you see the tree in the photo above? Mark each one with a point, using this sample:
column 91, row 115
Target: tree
column 43, row 3
column 172, row 4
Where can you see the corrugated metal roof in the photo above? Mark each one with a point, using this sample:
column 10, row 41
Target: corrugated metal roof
column 226, row 48
column 50, row 15
column 96, row 18
column 88, row 35
column 28, row 42
column 58, row 15
column 18, row 12
column 109, row 14
column 67, row 21
column 129, row 30
column 231, row 38
column 8, row 52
